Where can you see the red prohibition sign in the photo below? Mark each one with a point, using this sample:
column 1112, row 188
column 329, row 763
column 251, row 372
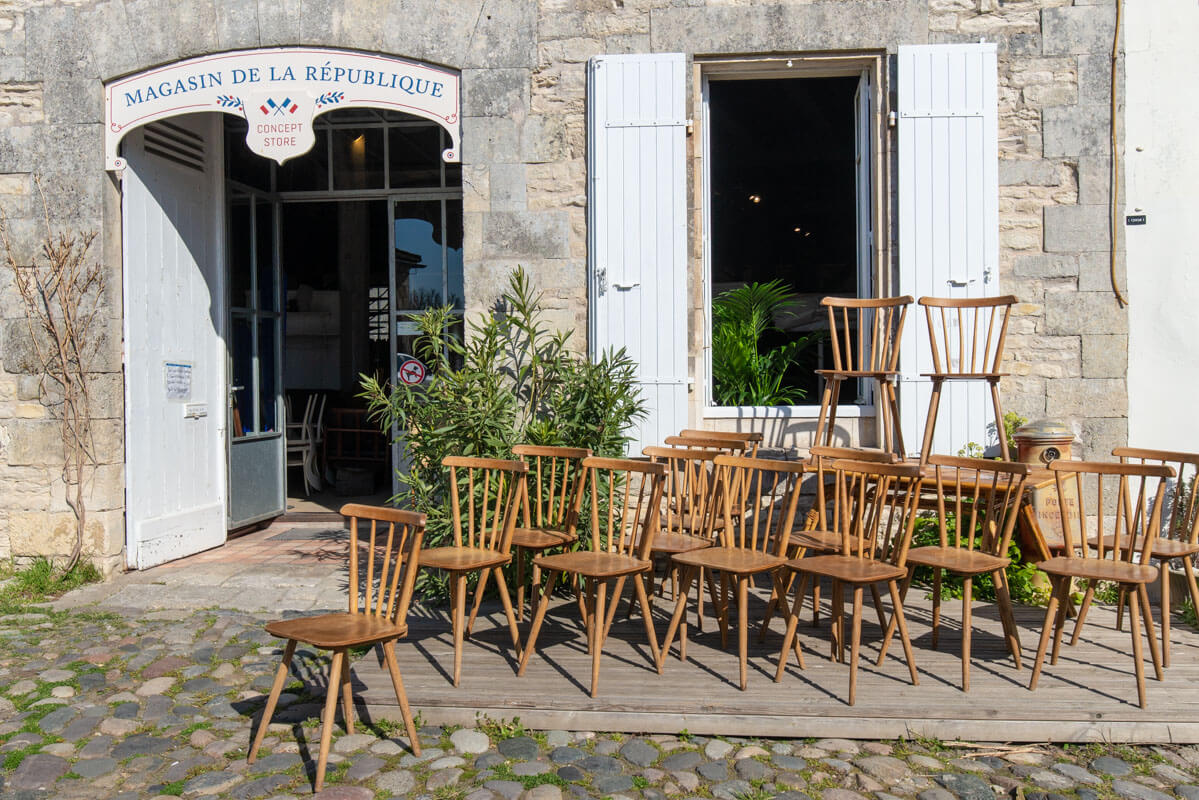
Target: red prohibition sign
column 412, row 372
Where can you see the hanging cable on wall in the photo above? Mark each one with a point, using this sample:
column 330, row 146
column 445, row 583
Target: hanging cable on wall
column 1115, row 183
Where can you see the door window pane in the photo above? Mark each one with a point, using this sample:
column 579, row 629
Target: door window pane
column 453, row 224
column 241, row 388
column 420, row 274
column 268, row 299
column 267, row 402
column 244, row 166
column 240, row 293
column 357, row 158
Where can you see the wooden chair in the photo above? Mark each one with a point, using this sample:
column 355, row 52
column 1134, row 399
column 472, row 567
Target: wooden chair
column 1118, row 515
column 967, row 336
column 875, row 512
column 378, row 613
column 980, row 499
column 488, row 495
column 625, row 498
column 1178, row 537
column 765, row 492
column 688, row 520
column 548, row 520
column 303, row 439
column 816, row 534
column 746, row 441
column 865, row 336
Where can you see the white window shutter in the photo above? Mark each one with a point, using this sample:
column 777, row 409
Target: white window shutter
column 637, row 227
column 948, row 220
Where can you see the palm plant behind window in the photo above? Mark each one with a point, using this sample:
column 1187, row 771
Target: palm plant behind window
column 743, row 374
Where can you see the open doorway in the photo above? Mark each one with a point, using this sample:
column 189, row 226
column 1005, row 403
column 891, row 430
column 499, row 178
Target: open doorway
column 329, row 255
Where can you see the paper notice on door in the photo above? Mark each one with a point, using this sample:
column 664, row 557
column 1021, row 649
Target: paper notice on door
column 178, row 378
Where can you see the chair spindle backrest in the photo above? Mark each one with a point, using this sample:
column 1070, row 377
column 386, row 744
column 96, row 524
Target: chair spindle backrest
column 555, row 473
column 689, row 488
column 967, row 335
column 866, row 332
column 394, row 547
column 876, row 508
column 1182, row 522
column 823, row 458
column 752, row 439
column 626, row 500
column 725, row 444
column 759, row 501
column 1119, row 507
column 978, row 493
column 493, row 489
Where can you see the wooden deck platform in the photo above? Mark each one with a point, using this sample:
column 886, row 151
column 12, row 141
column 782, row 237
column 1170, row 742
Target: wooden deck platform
column 1090, row 695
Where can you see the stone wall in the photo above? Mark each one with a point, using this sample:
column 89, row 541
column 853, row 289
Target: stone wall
column 524, row 156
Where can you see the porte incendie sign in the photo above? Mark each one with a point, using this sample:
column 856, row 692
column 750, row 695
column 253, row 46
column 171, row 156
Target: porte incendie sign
column 280, row 92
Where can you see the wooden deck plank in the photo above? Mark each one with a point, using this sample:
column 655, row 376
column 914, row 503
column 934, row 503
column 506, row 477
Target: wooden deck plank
column 1090, row 695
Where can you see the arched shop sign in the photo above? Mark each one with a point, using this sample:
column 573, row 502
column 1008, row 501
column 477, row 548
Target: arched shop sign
column 279, row 92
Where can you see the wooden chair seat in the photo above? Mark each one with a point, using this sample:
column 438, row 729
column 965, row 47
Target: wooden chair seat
column 858, row 373
column 743, row 561
column 330, row 631
column 955, row 559
column 462, row 558
column 541, row 538
column 591, row 564
column 673, row 543
column 965, row 376
column 1099, row 570
column 816, row 540
column 1162, row 548
column 848, row 569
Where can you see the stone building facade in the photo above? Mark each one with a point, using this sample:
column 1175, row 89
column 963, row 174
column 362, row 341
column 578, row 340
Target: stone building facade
column 523, row 67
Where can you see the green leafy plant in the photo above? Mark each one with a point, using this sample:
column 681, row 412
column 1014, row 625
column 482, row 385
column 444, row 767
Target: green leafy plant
column 40, row 582
column 499, row 729
column 1011, row 421
column 743, row 373
column 508, row 379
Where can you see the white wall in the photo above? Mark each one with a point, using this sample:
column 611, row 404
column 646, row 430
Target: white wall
column 1162, row 166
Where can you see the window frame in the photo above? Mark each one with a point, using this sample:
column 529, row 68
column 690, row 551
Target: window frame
column 811, row 65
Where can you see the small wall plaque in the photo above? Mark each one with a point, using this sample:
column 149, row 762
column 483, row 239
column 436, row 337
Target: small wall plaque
column 1134, row 219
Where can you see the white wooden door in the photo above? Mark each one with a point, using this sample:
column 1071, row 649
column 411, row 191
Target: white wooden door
column 637, row 228
column 174, row 295
column 948, row 221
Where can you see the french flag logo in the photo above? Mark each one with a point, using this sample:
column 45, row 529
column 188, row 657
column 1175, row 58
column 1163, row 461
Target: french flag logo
column 271, row 108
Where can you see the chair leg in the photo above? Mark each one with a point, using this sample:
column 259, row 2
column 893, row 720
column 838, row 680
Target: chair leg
column 777, row 592
column 936, row 607
column 614, row 602
column 327, row 718
column 1000, row 431
column 839, row 622
column 815, row 601
column 397, row 683
column 1051, row 612
column 1192, row 585
column 1164, row 577
column 276, row 689
column 722, row 611
column 534, row 595
column 1087, row 599
column 520, row 584
column 458, row 610
column 481, row 587
column 680, row 610
column 347, row 696
column 893, row 622
column 902, row 622
column 1006, row 615
column 1121, row 602
column 506, row 602
column 930, row 424
column 878, row 607
column 1134, row 626
column 595, row 624
column 743, row 625
column 538, row 618
column 1147, row 613
column 967, row 587
column 1059, row 625
column 647, row 615
column 699, row 601
column 893, row 404
column 854, row 643
column 789, row 636
column 825, row 405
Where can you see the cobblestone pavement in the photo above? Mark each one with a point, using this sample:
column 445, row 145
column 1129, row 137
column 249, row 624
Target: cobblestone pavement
column 147, row 704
